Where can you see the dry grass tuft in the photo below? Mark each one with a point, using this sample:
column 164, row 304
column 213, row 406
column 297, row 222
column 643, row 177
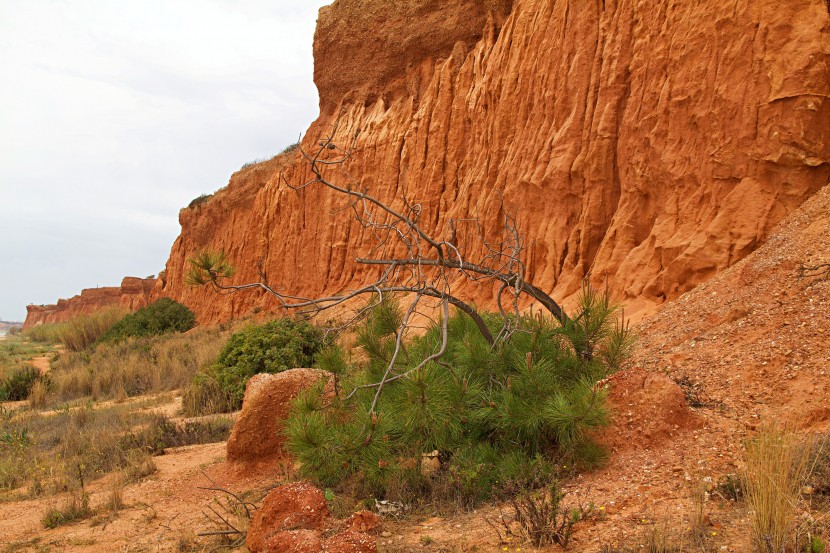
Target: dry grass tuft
column 115, row 497
column 658, row 537
column 776, row 465
column 38, row 393
column 697, row 516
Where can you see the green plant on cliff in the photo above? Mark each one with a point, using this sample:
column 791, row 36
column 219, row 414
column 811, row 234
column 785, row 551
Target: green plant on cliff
column 199, row 200
column 160, row 317
column 465, row 426
column 269, row 348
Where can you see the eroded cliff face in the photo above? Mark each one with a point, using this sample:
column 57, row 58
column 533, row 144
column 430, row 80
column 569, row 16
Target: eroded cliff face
column 133, row 294
column 647, row 145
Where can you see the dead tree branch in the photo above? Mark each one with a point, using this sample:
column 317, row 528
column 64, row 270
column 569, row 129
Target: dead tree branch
column 411, row 258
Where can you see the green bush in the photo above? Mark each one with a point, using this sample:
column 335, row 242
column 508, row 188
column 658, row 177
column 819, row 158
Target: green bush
column 493, row 415
column 160, row 317
column 270, row 348
column 19, row 383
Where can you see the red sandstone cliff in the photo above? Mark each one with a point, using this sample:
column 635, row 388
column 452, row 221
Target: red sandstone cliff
column 133, row 294
column 655, row 143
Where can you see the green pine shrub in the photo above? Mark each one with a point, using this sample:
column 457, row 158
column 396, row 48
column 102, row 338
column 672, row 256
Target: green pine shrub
column 495, row 415
column 273, row 347
column 160, row 317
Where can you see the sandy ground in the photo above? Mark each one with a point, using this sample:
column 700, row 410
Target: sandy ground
column 750, row 346
column 161, row 512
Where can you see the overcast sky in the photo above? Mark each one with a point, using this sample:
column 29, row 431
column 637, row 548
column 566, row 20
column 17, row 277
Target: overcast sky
column 114, row 114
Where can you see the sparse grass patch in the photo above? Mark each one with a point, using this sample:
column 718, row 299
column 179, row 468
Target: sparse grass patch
column 16, row 350
column 37, row 394
column 78, row 333
column 85, row 443
column 135, row 366
column 115, row 496
column 74, row 509
column 542, row 517
column 205, row 396
column 818, row 472
column 657, row 537
column 697, row 514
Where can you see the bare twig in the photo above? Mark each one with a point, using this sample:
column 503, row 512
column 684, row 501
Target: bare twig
column 411, row 259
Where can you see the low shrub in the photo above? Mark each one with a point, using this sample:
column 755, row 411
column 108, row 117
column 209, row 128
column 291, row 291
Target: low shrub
column 540, row 514
column 465, row 426
column 74, row 509
column 290, row 148
column 139, row 465
column 160, row 317
column 161, row 433
column 18, row 385
column 269, row 348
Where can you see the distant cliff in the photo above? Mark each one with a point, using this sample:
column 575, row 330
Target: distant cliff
column 133, row 294
column 648, row 144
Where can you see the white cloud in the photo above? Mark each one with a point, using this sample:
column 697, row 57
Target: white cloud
column 115, row 114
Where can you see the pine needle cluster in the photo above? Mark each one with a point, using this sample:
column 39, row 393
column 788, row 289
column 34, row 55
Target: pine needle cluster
column 465, row 425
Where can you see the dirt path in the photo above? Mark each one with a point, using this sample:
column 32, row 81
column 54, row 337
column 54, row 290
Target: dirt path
column 161, row 511
column 42, row 362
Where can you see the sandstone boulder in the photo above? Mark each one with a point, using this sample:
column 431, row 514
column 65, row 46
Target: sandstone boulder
column 365, row 521
column 294, row 517
column 647, row 409
column 256, row 436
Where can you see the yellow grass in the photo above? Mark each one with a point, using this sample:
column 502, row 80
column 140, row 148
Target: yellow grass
column 775, row 470
column 137, row 366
